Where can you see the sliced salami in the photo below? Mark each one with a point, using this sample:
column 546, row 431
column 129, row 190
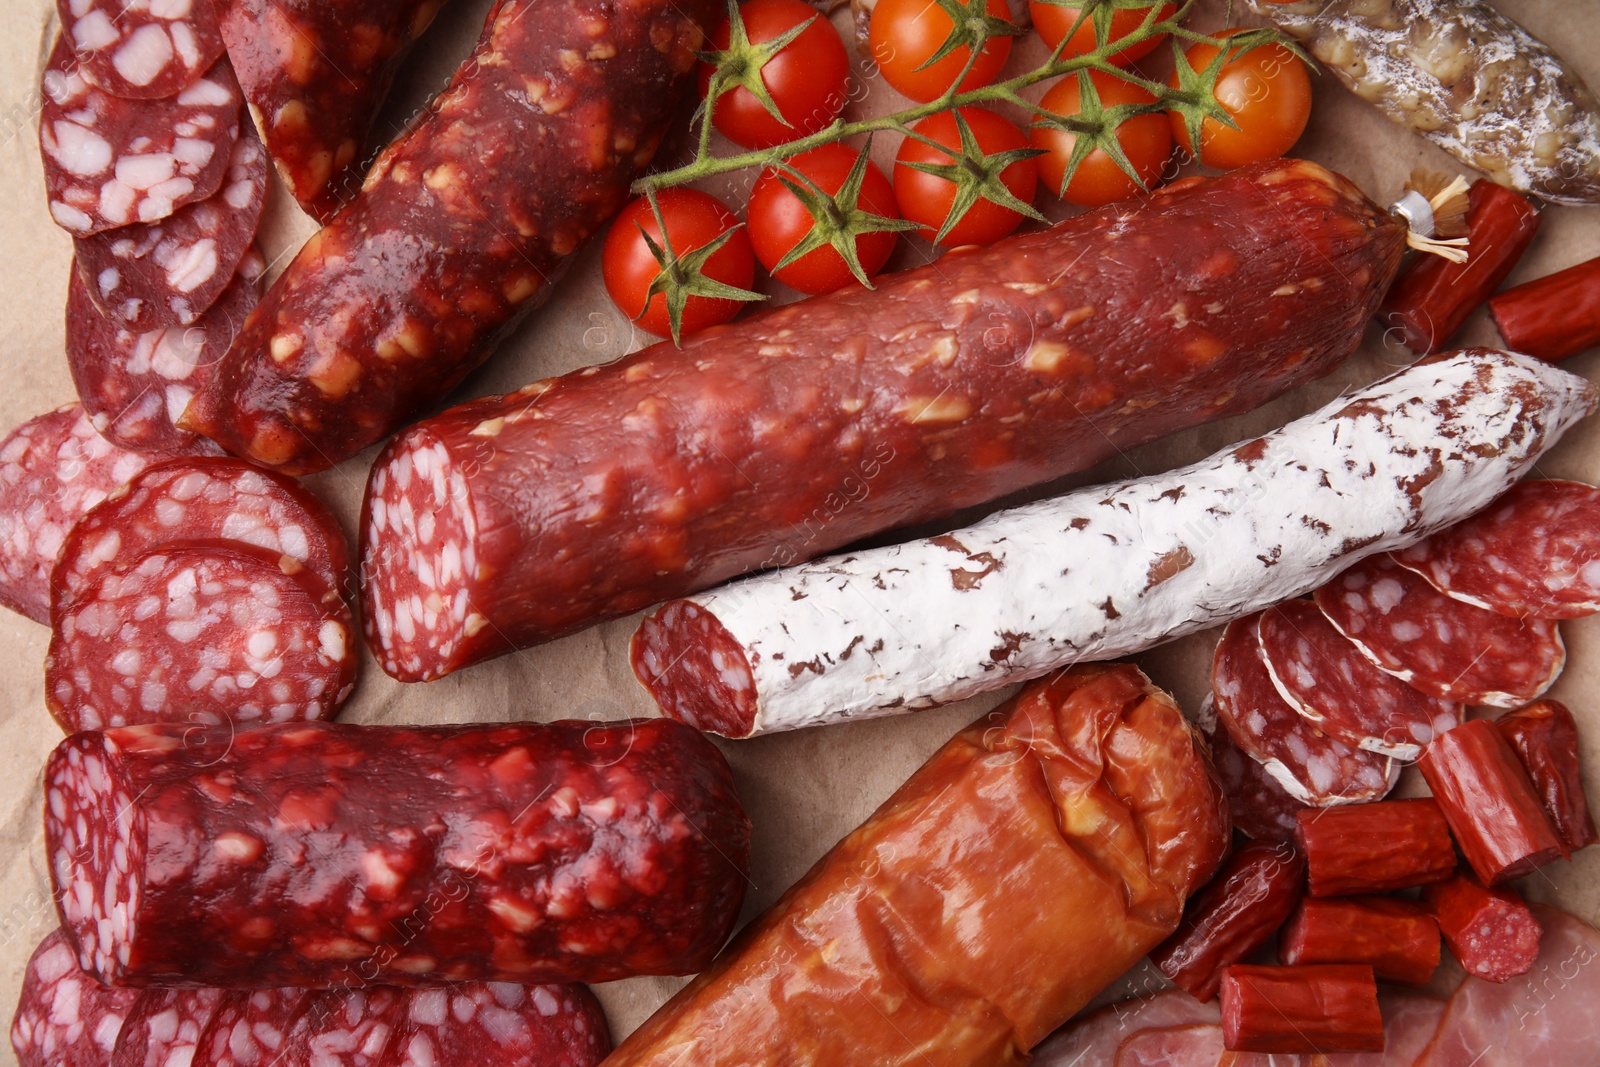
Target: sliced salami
column 167, row 273
column 1318, row 770
column 66, row 1018
column 1444, row 647
column 1534, row 551
column 497, row 1022
column 1324, row 677
column 53, row 469
column 211, row 498
column 142, row 49
column 164, row 1027
column 202, row 631
column 135, row 385
column 1260, row 806
column 251, row 1028
column 109, row 162
column 347, row 1028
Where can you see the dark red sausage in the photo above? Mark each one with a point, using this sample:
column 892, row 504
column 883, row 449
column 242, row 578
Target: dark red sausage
column 1398, row 939
column 65, row 1018
column 1313, row 1009
column 493, row 1023
column 1545, row 738
column 458, row 229
column 1491, row 931
column 1374, row 848
column 512, row 520
column 319, row 854
column 1552, row 317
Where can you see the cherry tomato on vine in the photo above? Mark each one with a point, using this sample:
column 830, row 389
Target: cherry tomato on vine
column 928, row 199
column 805, row 78
column 905, row 34
column 1267, row 92
column 1146, row 141
column 779, row 220
column 1055, row 21
column 693, row 220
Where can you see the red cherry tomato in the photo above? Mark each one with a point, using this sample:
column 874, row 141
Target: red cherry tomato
column 779, row 221
column 926, row 199
column 693, row 220
column 1267, row 92
column 806, row 79
column 1054, row 21
column 1145, row 139
column 905, row 34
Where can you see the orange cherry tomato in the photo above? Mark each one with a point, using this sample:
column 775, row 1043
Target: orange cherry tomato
column 1145, row 139
column 1268, row 94
column 905, row 34
column 1054, row 21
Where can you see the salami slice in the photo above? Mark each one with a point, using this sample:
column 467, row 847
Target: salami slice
column 164, row 1027
column 1326, row 678
column 1443, row 647
column 109, row 162
column 347, row 1028
column 1312, row 767
column 135, row 385
column 496, row 1022
column 167, row 273
column 1534, row 551
column 212, row 498
column 202, row 631
column 66, row 1018
column 142, row 49
column 1260, row 806
column 251, row 1028
column 53, row 469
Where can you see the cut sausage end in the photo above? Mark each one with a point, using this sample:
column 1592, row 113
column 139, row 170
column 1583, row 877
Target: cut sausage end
column 696, row 670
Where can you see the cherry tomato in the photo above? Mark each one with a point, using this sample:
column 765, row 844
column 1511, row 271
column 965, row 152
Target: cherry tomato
column 779, row 221
column 926, row 199
column 1054, row 21
column 904, row 34
column 693, row 220
column 806, row 79
column 1267, row 92
column 1145, row 139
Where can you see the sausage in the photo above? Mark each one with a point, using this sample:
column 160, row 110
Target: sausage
column 1488, row 800
column 1552, row 317
column 795, row 432
column 140, row 50
column 1490, row 931
column 1467, row 78
column 1441, row 646
column 1375, row 848
column 346, row 1027
column 1331, row 1007
column 315, row 74
column 1397, row 938
column 457, row 231
column 250, row 1028
column 65, row 1018
column 1545, row 739
column 1261, row 808
column 1091, row 784
column 501, row 1023
column 528, row 852
column 1234, row 915
column 869, row 633
column 164, row 1027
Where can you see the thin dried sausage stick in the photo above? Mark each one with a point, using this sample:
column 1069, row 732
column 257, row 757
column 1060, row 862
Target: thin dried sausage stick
column 458, row 231
column 1331, row 1007
column 65, row 1018
column 1375, row 848
column 1545, row 738
column 1552, row 317
column 319, row 854
column 869, row 633
column 1490, row 931
column 1397, row 938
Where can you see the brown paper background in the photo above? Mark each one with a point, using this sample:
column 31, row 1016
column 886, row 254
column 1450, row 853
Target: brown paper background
column 804, row 790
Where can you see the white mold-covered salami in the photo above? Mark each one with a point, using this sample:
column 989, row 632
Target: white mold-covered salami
column 142, row 49
column 109, row 162
column 1111, row 570
column 65, row 1017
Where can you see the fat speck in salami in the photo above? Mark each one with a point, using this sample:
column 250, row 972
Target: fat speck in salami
column 165, row 1026
column 142, row 49
column 200, row 632
column 53, row 469
column 322, row 854
column 501, row 1023
column 1444, row 647
column 109, row 162
column 1534, row 551
column 1326, row 678
column 65, row 1018
column 167, row 273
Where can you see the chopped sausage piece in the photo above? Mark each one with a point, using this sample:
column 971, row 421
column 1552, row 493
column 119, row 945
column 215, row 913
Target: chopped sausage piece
column 1261, row 808
column 1490, row 931
column 1374, row 848
column 353, row 1027
column 142, row 49
column 500, row 1023
column 66, row 1018
column 1552, row 317
column 250, row 1028
column 164, row 1027
column 1330, row 1007
column 1545, row 738
column 1397, row 938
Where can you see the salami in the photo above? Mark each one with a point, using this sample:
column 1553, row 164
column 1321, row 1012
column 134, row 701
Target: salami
column 860, row 411
column 869, row 633
column 496, row 1022
column 142, row 49
column 1261, row 808
column 1314, row 769
column 1545, row 738
column 1092, row 1041
column 457, row 229
column 1490, row 931
column 532, row 852
column 347, row 1028
column 1326, row 678
column 53, row 469
column 200, row 632
column 315, row 74
column 167, row 273
column 250, row 1028
column 1534, row 551
column 164, row 1027
column 134, row 385
column 64, row 1017
column 109, row 161
column 198, row 499
column 1443, row 647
